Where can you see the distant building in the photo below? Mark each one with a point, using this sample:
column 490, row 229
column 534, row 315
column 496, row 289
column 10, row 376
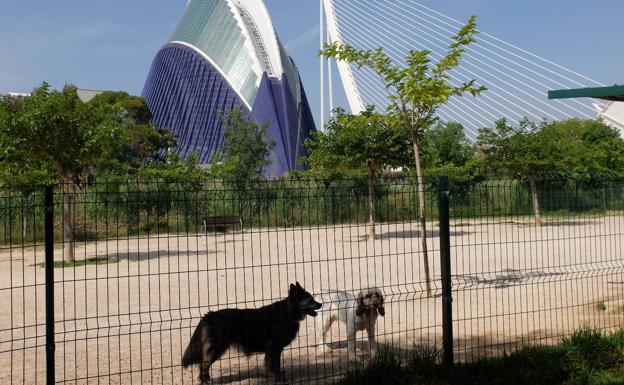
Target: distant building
column 612, row 114
column 84, row 94
column 17, row 95
column 226, row 54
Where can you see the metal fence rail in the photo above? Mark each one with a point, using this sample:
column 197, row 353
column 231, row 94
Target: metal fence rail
column 153, row 257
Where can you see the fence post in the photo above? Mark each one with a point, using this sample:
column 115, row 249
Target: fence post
column 49, row 284
column 445, row 268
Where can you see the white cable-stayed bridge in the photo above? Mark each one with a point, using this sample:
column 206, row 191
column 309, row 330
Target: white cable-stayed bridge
column 517, row 80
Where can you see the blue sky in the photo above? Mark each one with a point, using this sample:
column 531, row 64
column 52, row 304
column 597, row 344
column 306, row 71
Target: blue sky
column 109, row 44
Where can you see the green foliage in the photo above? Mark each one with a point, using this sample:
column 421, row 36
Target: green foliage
column 423, row 363
column 145, row 145
column 418, row 87
column 15, row 174
column 446, row 144
column 53, row 136
column 134, row 107
column 587, row 148
column 446, row 152
column 515, row 151
column 174, row 203
column 174, row 169
column 386, row 368
column 352, row 141
column 55, row 130
column 246, row 148
column 538, row 365
column 588, row 351
column 587, row 357
column 576, row 147
column 463, row 179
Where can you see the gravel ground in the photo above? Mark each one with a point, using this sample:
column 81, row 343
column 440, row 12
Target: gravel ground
column 128, row 322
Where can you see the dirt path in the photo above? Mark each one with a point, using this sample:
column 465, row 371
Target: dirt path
column 129, row 322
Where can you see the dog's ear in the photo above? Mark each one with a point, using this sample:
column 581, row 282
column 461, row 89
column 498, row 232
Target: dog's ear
column 292, row 290
column 298, row 285
column 359, row 305
column 381, row 309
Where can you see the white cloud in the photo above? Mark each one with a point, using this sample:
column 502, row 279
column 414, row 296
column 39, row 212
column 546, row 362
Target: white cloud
column 303, row 38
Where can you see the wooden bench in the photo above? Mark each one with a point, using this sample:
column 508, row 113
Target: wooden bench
column 221, row 221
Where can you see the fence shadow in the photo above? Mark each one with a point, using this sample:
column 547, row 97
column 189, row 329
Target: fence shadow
column 404, row 234
column 407, row 234
column 555, row 223
column 139, row 256
column 507, row 278
column 569, row 223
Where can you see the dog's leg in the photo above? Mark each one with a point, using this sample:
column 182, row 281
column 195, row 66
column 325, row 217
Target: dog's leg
column 204, row 370
column 324, row 324
column 372, row 343
column 273, row 362
column 351, row 350
column 211, row 353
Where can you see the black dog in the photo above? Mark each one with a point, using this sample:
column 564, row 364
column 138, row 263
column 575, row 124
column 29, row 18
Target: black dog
column 268, row 330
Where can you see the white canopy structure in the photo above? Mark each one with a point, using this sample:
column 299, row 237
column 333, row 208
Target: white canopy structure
column 612, row 114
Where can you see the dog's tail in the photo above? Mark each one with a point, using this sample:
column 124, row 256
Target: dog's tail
column 193, row 353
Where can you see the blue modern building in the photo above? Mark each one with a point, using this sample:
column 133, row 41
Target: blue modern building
column 225, row 54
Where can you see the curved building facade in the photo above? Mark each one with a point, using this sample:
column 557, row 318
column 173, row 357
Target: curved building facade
column 225, row 54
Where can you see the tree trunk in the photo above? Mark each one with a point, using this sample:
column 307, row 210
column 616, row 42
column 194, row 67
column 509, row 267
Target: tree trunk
column 68, row 219
column 371, row 201
column 25, row 197
column 536, row 206
column 422, row 213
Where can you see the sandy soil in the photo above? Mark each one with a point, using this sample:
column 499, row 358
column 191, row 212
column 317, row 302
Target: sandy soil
column 128, row 323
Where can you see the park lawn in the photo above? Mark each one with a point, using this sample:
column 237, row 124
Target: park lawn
column 588, row 357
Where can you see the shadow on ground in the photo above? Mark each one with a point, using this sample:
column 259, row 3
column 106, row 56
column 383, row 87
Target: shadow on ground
column 302, row 366
column 138, row 256
column 405, row 234
column 505, row 279
column 556, row 223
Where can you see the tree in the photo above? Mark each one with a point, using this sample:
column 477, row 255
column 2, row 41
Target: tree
column 516, row 151
column 146, row 144
column 368, row 141
column 246, row 148
column 55, row 130
column 21, row 178
column 585, row 148
column 174, row 169
column 447, row 152
column 445, row 144
column 416, row 90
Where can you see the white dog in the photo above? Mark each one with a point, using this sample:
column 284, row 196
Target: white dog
column 358, row 313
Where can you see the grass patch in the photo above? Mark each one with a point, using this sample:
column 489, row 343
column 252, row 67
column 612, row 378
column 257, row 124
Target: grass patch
column 601, row 306
column 586, row 357
column 82, row 262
